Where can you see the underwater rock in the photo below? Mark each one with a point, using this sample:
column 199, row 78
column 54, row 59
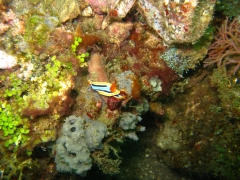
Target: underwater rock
column 197, row 136
column 87, row 12
column 176, row 21
column 6, row 20
column 119, row 31
column 116, row 9
column 66, row 10
column 169, row 137
column 120, row 8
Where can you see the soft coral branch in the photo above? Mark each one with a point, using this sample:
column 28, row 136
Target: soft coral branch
column 226, row 48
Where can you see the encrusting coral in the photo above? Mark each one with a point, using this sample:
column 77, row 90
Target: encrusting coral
column 226, row 49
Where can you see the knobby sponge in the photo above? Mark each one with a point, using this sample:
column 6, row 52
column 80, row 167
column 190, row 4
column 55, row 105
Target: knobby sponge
column 79, row 137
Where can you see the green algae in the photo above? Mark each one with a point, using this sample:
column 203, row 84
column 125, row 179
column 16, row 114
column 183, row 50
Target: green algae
column 229, row 8
column 81, row 57
column 36, row 31
column 33, row 94
column 228, row 92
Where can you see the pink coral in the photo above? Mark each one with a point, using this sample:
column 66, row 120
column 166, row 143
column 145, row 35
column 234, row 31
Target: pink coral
column 226, row 48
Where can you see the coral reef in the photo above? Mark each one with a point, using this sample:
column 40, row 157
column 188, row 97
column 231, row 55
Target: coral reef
column 128, row 82
column 111, row 70
column 108, row 166
column 114, row 103
column 41, row 101
column 178, row 63
column 156, row 84
column 226, row 50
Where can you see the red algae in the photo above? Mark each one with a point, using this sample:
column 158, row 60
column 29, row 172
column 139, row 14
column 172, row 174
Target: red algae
column 226, row 50
column 166, row 75
column 113, row 103
column 62, row 40
column 87, row 39
column 136, row 88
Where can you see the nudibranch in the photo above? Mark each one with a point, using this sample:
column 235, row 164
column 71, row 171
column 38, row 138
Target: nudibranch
column 107, row 89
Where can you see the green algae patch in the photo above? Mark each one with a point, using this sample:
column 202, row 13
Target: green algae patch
column 36, row 31
column 30, row 93
column 228, row 92
column 15, row 127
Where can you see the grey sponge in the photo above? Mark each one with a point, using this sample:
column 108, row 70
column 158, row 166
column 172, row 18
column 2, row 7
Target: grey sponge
column 79, row 137
column 72, row 153
column 95, row 132
column 128, row 120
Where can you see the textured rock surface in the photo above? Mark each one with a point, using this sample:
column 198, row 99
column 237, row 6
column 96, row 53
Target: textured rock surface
column 118, row 31
column 178, row 22
column 66, row 9
column 114, row 8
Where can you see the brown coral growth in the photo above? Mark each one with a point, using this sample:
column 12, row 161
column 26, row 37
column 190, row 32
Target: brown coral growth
column 226, row 48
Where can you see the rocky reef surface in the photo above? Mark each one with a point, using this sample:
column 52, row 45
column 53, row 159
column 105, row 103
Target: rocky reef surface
column 119, row 89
